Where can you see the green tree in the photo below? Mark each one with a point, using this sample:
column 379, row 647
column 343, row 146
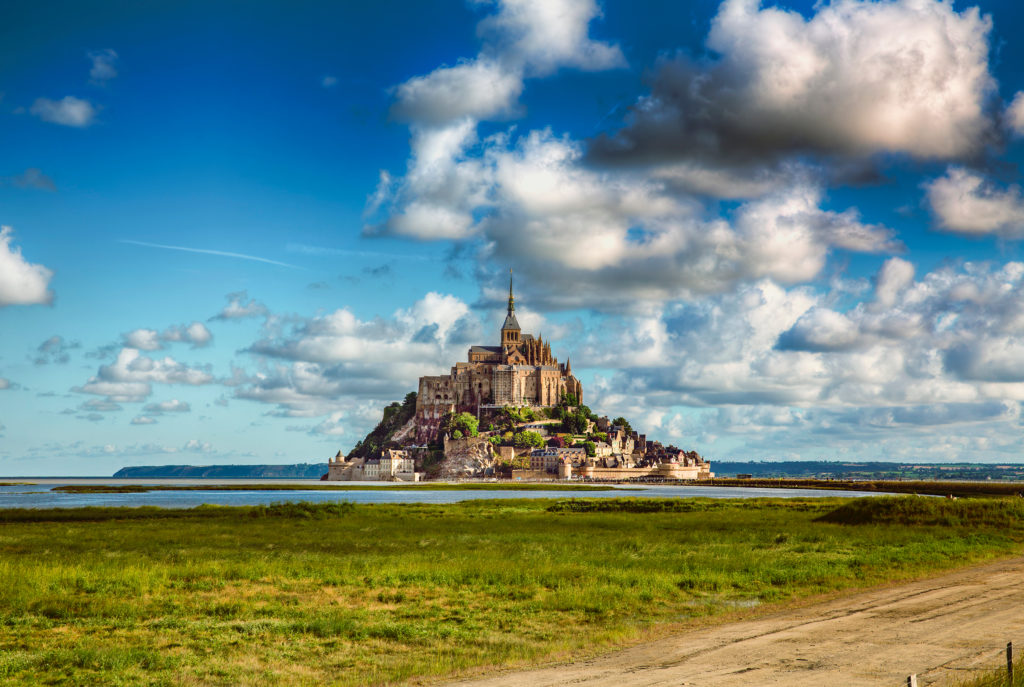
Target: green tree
column 467, row 423
column 575, row 423
column 527, row 439
column 590, row 447
column 623, row 422
column 457, row 434
column 459, row 422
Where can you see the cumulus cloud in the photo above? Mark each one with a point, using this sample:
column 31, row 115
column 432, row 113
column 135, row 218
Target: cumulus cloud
column 856, row 78
column 21, row 282
column 55, row 350
column 443, row 185
column 172, row 406
column 477, row 89
column 150, row 340
column 240, row 306
column 544, row 35
column 1014, row 115
column 335, row 362
column 130, row 378
column 576, row 229
column 103, row 65
column 197, row 446
column 196, row 334
column 950, row 337
column 965, row 202
column 68, row 111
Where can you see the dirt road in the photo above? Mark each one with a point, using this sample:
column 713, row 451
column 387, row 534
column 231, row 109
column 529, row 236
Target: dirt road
column 942, row 629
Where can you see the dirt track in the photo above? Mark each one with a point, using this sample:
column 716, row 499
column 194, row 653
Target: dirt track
column 942, row 629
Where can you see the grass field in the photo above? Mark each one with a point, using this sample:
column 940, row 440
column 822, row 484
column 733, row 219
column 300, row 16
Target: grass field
column 346, row 594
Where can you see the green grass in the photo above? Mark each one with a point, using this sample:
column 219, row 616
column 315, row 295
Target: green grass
column 998, row 677
column 313, row 594
column 897, row 486
column 425, row 486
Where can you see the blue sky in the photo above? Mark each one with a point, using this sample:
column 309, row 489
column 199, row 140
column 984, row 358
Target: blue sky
column 233, row 232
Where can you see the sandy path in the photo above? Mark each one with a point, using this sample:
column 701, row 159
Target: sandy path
column 941, row 628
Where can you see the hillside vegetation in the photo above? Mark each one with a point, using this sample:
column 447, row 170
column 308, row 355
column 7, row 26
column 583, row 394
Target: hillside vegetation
column 396, row 416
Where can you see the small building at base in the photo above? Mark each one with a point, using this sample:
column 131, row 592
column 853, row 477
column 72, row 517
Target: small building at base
column 394, row 465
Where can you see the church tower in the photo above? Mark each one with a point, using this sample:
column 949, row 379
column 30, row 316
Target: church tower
column 510, row 331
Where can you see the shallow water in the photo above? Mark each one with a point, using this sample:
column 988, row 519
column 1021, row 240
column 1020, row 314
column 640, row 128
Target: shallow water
column 40, row 494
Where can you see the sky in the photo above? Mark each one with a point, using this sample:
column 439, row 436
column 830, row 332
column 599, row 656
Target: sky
column 233, row 232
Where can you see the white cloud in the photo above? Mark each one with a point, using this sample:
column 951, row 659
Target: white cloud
column 103, row 66
column 55, row 350
column 895, row 276
column 240, row 306
column 443, row 184
column 196, row 334
column 965, row 202
column 143, row 339
column 21, row 282
column 1015, row 114
column 130, row 378
column 856, row 78
column 951, row 337
column 143, row 420
column 575, row 229
column 477, row 89
column 543, row 35
column 68, row 111
column 329, row 81
column 336, row 362
column 150, row 340
column 197, row 446
column 5, row 384
column 172, row 406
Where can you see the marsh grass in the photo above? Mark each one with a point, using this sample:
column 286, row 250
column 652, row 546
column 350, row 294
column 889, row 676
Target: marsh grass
column 998, row 676
column 345, row 594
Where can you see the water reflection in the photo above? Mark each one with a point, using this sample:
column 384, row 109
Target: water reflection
column 42, row 496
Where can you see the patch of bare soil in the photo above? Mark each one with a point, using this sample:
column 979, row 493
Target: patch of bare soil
column 944, row 629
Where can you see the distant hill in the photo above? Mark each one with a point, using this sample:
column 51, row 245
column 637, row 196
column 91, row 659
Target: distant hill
column 821, row 469
column 298, row 471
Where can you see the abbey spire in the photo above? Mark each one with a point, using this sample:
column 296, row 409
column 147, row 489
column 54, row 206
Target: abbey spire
column 510, row 331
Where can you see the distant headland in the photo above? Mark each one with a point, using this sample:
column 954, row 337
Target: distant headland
column 297, row 471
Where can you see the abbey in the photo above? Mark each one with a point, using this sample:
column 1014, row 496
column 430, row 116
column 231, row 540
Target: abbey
column 521, row 371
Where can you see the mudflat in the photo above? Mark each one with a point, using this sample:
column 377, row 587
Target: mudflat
column 944, row 629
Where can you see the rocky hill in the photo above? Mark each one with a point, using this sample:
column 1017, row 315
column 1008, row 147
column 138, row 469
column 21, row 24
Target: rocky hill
column 395, row 426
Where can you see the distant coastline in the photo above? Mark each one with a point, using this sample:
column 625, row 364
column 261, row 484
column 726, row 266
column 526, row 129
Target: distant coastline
column 296, row 471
